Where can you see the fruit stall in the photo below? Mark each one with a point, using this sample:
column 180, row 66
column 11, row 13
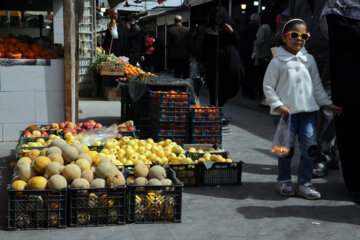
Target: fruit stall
column 87, row 174
column 38, row 68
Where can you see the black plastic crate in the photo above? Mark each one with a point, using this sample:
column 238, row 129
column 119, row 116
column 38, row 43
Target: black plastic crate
column 31, row 210
column 25, row 140
column 219, row 173
column 168, row 114
column 167, row 99
column 216, row 140
column 206, row 129
column 178, row 139
column 197, row 155
column 96, row 148
column 155, row 204
column 133, row 134
column 189, row 174
column 97, row 207
column 172, row 129
column 206, row 114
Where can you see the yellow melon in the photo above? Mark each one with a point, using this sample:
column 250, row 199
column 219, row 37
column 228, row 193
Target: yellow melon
column 115, row 180
column 56, row 157
column 88, row 175
column 57, row 182
column 27, row 172
column 22, row 162
column 18, row 185
column 37, row 183
column 53, row 168
column 141, row 171
column 70, row 154
column 83, row 164
column 71, row 172
column 34, row 153
column 40, row 163
column 85, row 156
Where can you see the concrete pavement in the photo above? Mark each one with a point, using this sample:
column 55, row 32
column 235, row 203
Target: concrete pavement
column 251, row 211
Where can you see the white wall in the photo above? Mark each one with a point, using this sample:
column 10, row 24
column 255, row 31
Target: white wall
column 30, row 95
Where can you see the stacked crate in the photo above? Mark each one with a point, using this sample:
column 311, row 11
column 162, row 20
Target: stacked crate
column 170, row 115
column 206, row 125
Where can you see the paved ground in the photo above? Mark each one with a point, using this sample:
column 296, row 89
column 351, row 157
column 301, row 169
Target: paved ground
column 251, row 211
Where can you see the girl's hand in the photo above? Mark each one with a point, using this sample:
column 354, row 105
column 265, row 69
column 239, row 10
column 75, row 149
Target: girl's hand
column 228, row 28
column 284, row 111
column 335, row 109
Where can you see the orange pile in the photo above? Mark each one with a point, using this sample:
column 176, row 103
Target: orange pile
column 13, row 48
column 131, row 70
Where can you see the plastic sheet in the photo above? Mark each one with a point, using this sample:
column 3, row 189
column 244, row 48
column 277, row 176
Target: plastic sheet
column 99, row 134
column 138, row 89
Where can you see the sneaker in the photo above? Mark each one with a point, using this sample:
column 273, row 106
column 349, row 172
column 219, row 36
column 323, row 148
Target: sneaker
column 285, row 188
column 308, row 191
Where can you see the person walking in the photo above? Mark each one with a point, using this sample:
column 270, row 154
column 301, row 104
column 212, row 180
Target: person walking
column 292, row 86
column 246, row 49
column 262, row 51
column 136, row 42
column 117, row 45
column 343, row 24
column 179, row 48
column 230, row 68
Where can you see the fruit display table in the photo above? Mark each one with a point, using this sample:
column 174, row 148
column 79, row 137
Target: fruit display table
column 31, row 92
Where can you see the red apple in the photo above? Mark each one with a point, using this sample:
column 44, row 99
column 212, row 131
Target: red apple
column 83, row 130
column 131, row 129
column 70, row 125
column 74, row 134
column 66, row 122
column 80, row 124
column 55, row 126
column 98, row 125
column 44, row 134
column 118, row 135
column 61, row 125
column 26, row 134
column 47, row 128
column 92, row 122
column 90, row 127
column 65, row 130
column 86, row 125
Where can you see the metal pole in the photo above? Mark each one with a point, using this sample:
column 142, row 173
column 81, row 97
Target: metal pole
column 166, row 43
column 230, row 8
column 217, row 70
column 259, row 7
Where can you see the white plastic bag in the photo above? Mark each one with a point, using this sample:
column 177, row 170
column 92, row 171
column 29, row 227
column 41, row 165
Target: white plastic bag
column 114, row 31
column 194, row 69
column 99, row 134
column 281, row 141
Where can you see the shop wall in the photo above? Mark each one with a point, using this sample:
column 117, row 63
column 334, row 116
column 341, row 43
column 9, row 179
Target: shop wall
column 32, row 95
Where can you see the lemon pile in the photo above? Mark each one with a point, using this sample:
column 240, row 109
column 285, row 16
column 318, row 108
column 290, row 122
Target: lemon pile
column 40, row 142
column 127, row 151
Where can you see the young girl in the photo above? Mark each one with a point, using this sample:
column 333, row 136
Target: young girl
column 292, row 86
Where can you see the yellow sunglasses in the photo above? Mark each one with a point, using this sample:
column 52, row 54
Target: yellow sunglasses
column 295, row 35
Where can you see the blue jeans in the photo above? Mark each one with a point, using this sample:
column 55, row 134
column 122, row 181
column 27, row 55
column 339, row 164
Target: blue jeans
column 303, row 125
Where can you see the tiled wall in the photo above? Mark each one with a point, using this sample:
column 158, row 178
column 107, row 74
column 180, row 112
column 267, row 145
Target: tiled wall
column 30, row 95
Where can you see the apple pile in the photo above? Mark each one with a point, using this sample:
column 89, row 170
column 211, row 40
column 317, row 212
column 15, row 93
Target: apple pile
column 35, row 133
column 74, row 128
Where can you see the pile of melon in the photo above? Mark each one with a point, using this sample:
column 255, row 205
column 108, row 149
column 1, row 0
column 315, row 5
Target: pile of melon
column 61, row 165
column 155, row 176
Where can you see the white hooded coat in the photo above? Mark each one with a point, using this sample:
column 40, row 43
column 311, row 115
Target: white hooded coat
column 294, row 81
